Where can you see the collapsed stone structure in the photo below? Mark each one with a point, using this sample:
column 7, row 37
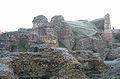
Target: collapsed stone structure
column 73, row 35
column 42, row 36
column 39, row 52
column 53, row 63
column 104, row 28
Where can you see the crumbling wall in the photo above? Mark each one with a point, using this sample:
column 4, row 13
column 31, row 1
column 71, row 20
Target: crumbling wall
column 52, row 64
column 73, row 35
column 104, row 29
column 107, row 32
column 42, row 34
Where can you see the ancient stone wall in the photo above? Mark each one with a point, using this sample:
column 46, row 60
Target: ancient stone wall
column 55, row 63
column 59, row 33
column 42, row 33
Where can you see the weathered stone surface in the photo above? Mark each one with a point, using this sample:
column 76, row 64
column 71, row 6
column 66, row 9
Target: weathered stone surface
column 73, row 35
column 6, row 72
column 115, row 45
column 54, row 63
column 93, row 66
column 84, row 37
column 57, row 21
column 99, row 23
column 104, row 29
column 63, row 31
column 113, row 54
column 113, row 70
column 43, row 36
column 40, row 19
column 116, row 35
column 81, row 35
column 14, row 41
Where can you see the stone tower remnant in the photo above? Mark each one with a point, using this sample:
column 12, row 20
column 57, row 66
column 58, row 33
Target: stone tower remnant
column 104, row 29
column 42, row 36
column 107, row 33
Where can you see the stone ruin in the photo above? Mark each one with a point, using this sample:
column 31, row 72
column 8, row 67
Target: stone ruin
column 57, row 49
column 73, row 35
column 42, row 36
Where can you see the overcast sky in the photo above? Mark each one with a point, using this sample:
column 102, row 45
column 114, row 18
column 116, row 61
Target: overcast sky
column 20, row 13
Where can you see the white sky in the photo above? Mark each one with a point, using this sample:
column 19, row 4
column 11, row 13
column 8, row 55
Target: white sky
column 20, row 13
